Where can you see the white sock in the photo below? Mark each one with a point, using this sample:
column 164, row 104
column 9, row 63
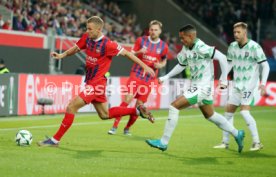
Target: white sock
column 222, row 123
column 225, row 135
column 170, row 125
column 54, row 140
column 251, row 123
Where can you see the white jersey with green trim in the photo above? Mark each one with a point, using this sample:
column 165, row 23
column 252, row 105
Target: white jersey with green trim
column 199, row 59
column 245, row 61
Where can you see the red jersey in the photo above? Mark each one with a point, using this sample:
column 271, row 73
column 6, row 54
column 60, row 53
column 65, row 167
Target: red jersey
column 156, row 52
column 99, row 55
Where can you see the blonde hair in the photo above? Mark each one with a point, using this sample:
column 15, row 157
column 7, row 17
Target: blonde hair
column 155, row 22
column 240, row 24
column 96, row 20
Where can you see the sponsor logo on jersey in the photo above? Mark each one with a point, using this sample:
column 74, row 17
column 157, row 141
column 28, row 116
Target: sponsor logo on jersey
column 246, row 54
column 91, row 60
column 150, row 58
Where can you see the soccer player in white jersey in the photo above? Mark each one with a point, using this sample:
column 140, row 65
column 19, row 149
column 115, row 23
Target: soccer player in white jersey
column 245, row 56
column 198, row 56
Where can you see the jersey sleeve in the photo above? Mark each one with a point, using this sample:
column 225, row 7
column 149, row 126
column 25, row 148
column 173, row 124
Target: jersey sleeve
column 259, row 54
column 82, row 42
column 206, row 51
column 165, row 52
column 229, row 54
column 137, row 45
column 181, row 59
column 113, row 48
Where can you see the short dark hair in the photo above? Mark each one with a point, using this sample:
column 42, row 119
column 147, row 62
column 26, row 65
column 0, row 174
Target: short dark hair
column 187, row 28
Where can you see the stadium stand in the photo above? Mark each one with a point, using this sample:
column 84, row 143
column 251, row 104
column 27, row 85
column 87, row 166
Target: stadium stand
column 221, row 15
column 69, row 19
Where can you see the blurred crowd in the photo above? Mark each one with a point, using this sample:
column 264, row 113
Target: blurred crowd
column 221, row 15
column 68, row 18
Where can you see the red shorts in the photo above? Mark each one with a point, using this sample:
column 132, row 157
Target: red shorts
column 94, row 92
column 140, row 89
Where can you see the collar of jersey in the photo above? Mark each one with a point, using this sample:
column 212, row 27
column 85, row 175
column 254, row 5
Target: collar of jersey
column 248, row 40
column 154, row 42
column 191, row 48
column 96, row 40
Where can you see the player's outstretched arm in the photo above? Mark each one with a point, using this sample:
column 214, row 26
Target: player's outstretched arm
column 265, row 73
column 221, row 58
column 176, row 70
column 132, row 57
column 68, row 52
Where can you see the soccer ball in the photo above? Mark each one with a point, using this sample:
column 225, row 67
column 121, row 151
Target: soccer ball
column 23, row 138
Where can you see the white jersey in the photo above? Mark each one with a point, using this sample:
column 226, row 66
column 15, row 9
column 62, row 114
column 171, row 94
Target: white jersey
column 199, row 59
column 245, row 61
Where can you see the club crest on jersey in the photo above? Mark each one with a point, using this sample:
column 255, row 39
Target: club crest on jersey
column 158, row 51
column 98, row 50
column 185, row 55
column 194, row 55
column 246, row 54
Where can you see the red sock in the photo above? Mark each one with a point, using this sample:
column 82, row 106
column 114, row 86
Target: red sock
column 121, row 111
column 118, row 119
column 131, row 121
column 65, row 125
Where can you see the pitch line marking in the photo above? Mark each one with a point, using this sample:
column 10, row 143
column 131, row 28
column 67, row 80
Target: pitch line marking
column 108, row 122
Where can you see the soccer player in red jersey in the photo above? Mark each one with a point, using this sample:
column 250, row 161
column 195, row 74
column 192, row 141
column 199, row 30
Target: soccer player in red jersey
column 99, row 50
column 153, row 52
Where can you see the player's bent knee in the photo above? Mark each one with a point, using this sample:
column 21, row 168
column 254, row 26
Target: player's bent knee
column 70, row 108
column 104, row 116
column 208, row 115
column 175, row 106
column 173, row 109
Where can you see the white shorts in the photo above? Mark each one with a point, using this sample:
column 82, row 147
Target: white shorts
column 200, row 95
column 238, row 97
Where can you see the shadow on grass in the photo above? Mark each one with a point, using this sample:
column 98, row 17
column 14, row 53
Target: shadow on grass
column 135, row 137
column 253, row 154
column 86, row 154
column 214, row 159
column 198, row 160
column 83, row 154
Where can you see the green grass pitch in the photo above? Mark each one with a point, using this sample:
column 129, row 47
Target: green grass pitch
column 87, row 149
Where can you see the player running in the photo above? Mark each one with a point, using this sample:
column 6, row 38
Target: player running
column 198, row 56
column 245, row 56
column 153, row 52
column 99, row 50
